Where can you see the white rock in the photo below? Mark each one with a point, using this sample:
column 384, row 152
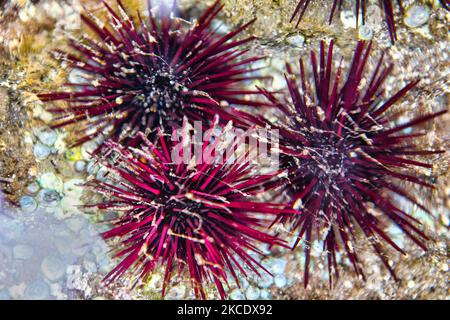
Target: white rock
column 27, row 204
column 417, row 16
column 50, row 180
column 80, row 165
column 252, row 293
column 53, row 268
column 41, row 151
column 296, row 41
column 280, row 281
column 348, row 19
column 47, row 137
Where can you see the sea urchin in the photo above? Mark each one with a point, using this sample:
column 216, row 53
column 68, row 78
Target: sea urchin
column 139, row 76
column 344, row 155
column 197, row 215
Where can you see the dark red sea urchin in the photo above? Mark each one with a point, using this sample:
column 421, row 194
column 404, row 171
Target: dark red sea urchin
column 343, row 154
column 140, row 76
column 197, row 215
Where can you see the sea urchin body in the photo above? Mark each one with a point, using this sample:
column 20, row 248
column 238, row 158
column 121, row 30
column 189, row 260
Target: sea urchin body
column 345, row 157
column 198, row 216
column 140, row 76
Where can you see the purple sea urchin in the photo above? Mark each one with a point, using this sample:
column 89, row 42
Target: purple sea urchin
column 344, row 155
column 141, row 76
column 198, row 215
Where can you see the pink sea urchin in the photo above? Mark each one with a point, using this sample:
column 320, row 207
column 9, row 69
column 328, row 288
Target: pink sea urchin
column 199, row 216
column 139, row 76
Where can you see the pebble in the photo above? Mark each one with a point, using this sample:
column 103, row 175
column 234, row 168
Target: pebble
column 265, row 295
column 348, row 19
column 17, row 291
column 276, row 265
column 48, row 198
column 47, row 137
column 23, row 251
column 244, row 283
column 50, row 180
column 41, row 151
column 28, row 204
column 417, row 16
column 365, row 32
column 280, row 281
column 296, row 41
column 53, row 268
column 252, row 293
column 33, row 188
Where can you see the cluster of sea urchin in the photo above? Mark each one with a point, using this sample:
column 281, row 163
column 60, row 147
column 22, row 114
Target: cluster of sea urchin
column 360, row 6
column 343, row 155
column 338, row 148
column 140, row 76
column 196, row 215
